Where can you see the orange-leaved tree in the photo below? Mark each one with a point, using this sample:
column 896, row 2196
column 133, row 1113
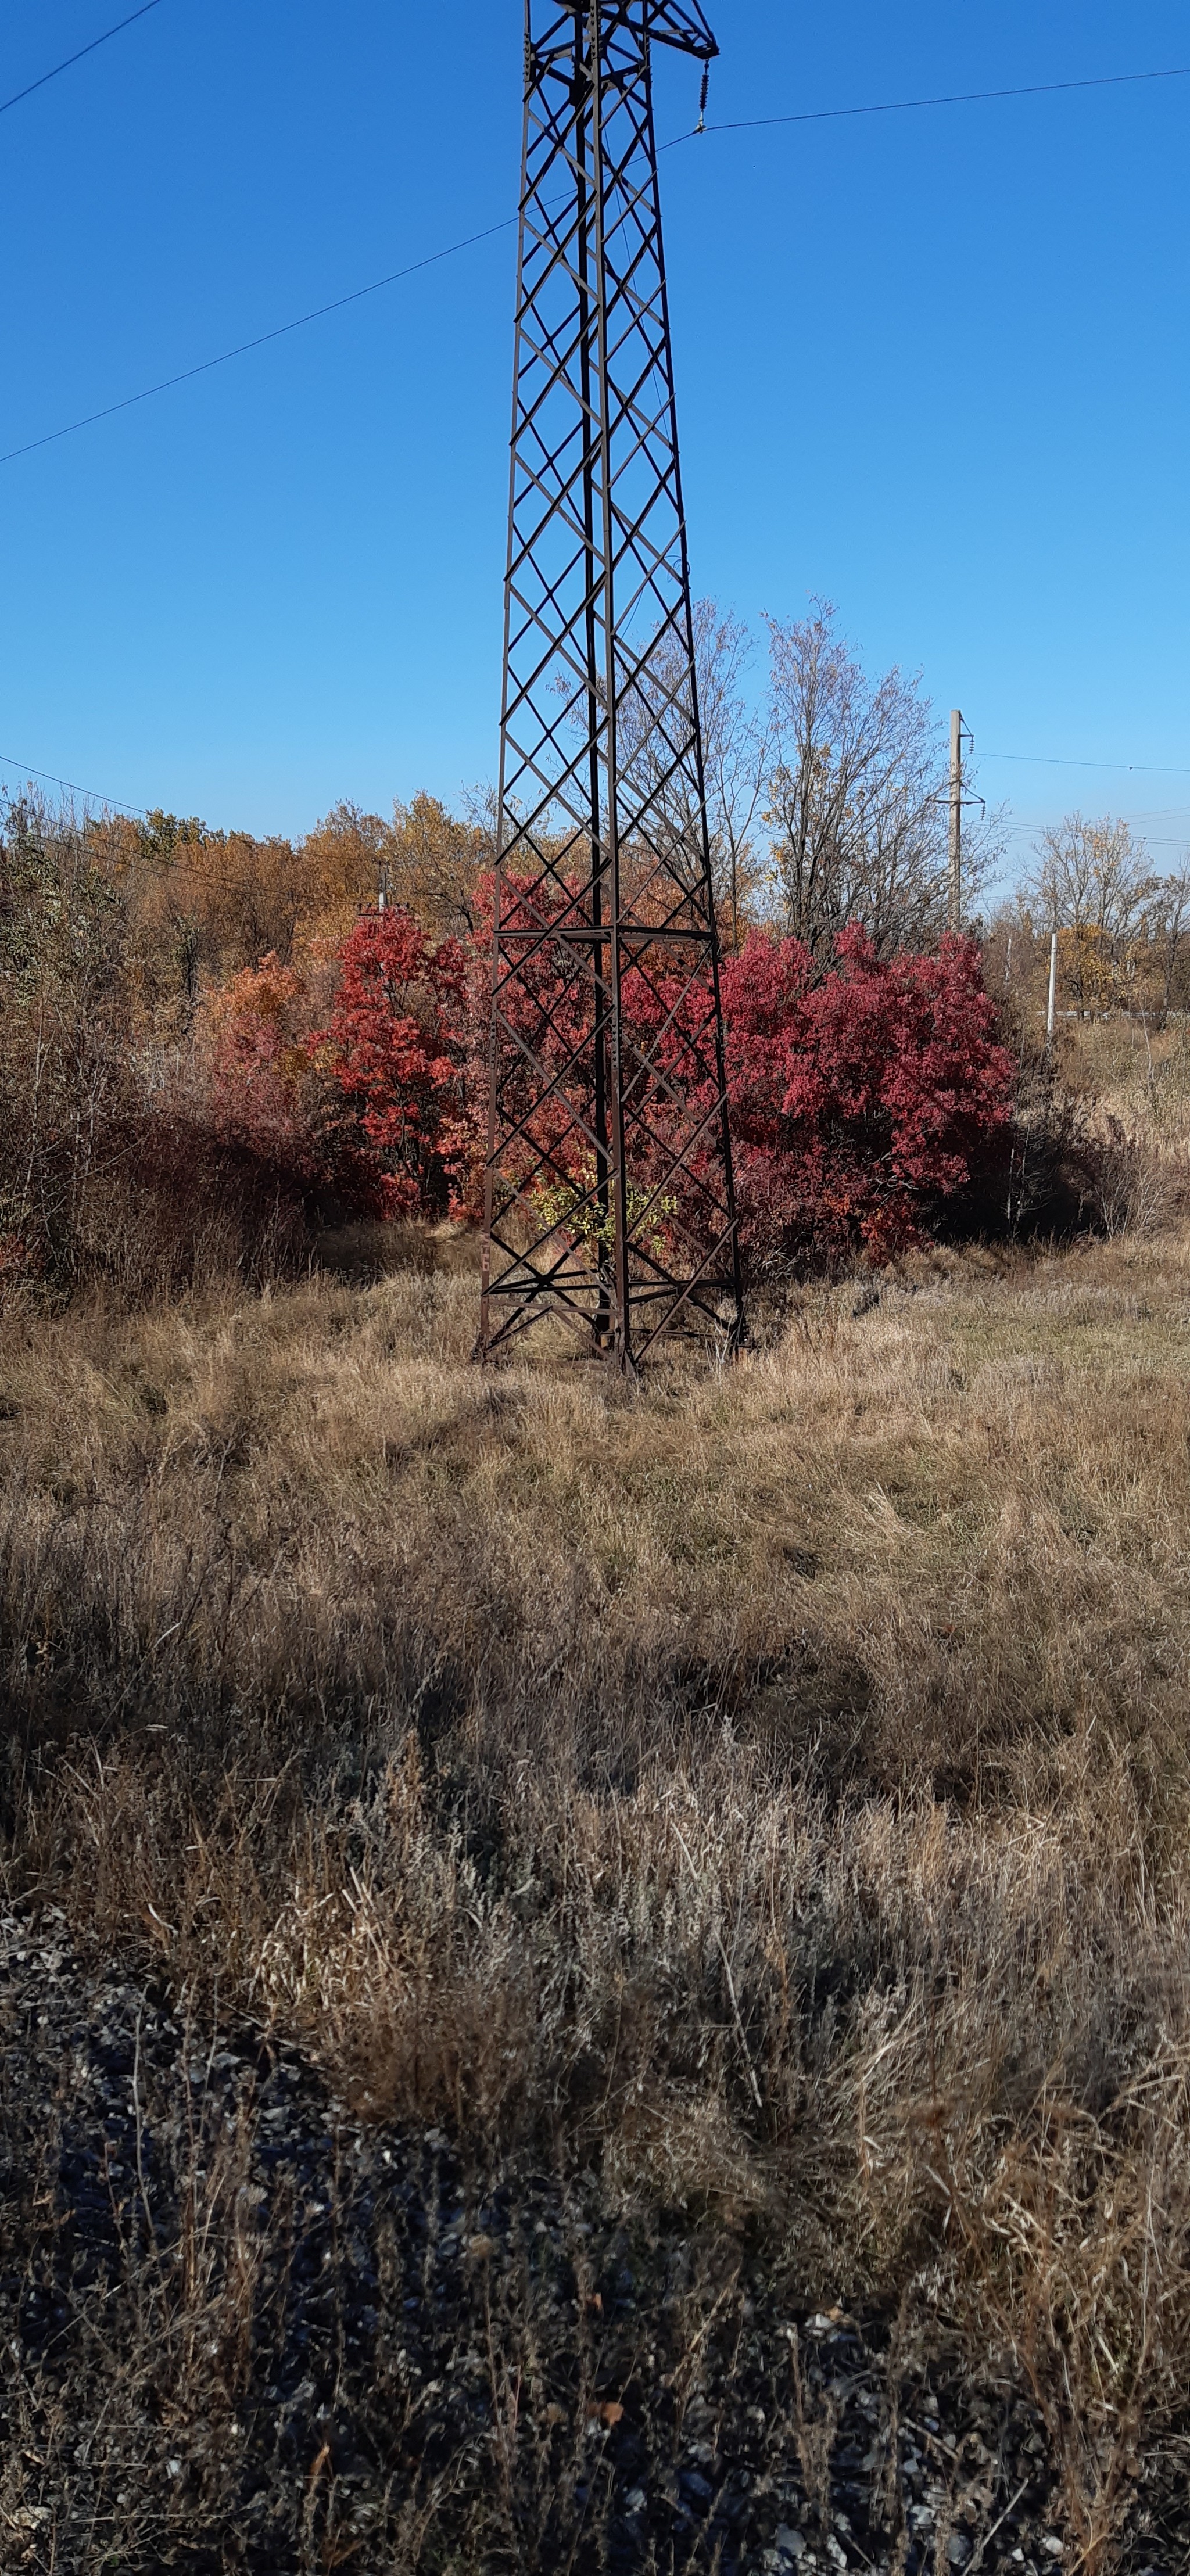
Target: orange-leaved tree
column 271, row 1108
column 263, row 1089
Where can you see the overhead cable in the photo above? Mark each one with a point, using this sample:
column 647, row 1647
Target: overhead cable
column 114, row 804
column 948, row 98
column 71, row 59
column 806, row 116
column 1066, row 760
column 261, row 341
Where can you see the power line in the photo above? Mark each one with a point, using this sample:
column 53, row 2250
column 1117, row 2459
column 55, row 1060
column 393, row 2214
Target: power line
column 951, row 98
column 1031, row 832
column 1066, row 760
column 114, row 804
column 808, row 116
column 1014, row 831
column 71, row 59
column 221, row 880
column 241, row 350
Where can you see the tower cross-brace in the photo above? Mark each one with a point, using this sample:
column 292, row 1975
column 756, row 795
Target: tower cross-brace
column 609, row 1195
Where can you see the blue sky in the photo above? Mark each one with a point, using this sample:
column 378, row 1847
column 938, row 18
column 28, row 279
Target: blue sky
column 935, row 366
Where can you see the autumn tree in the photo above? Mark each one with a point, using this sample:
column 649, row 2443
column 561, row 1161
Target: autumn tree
column 67, row 1087
column 1092, row 883
column 1168, row 925
column 856, row 797
column 736, row 744
column 1093, row 875
column 263, row 1087
column 425, row 860
column 204, row 904
column 345, row 860
column 436, row 860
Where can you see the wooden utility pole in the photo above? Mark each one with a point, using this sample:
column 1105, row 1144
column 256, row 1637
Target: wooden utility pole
column 955, row 914
column 1051, row 1012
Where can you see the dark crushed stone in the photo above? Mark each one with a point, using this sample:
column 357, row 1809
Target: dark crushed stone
column 243, row 2331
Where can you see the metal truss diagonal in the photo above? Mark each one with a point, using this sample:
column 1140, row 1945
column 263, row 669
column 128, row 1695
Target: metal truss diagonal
column 609, row 1198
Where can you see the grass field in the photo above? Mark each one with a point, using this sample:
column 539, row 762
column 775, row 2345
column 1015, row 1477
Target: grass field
column 764, row 1793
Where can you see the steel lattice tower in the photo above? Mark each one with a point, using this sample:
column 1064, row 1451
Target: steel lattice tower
column 609, row 1187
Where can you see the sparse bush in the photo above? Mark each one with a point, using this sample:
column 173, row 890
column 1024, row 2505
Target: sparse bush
column 1129, row 1188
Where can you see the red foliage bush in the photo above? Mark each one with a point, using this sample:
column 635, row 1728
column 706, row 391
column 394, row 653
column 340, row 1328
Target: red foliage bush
column 361, row 1117
column 546, row 1007
column 861, row 1102
column 396, row 1046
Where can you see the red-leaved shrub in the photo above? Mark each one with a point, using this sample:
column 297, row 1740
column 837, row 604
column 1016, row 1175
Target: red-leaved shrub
column 396, row 1046
column 860, row 1103
column 545, row 1071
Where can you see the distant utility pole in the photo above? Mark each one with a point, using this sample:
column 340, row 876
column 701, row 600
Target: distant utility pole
column 1051, row 1012
column 961, row 739
column 955, row 916
column 956, row 817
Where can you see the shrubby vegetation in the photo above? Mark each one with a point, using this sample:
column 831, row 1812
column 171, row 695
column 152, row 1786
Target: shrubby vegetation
column 865, row 1098
column 212, row 1045
column 175, row 1026
column 164, row 1116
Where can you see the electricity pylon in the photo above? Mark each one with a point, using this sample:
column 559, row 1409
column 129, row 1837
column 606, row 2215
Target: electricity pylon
column 609, row 1196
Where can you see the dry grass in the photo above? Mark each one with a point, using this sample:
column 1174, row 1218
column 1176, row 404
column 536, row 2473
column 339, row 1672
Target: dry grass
column 1131, row 1084
column 770, row 1787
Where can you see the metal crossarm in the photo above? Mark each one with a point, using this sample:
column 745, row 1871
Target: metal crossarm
column 685, row 28
column 609, row 1187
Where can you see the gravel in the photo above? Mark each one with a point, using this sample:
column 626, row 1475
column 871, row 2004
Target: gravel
column 242, row 2330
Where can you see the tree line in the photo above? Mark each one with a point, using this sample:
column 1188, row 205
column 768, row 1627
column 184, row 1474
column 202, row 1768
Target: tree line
column 210, row 1040
column 1123, row 928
